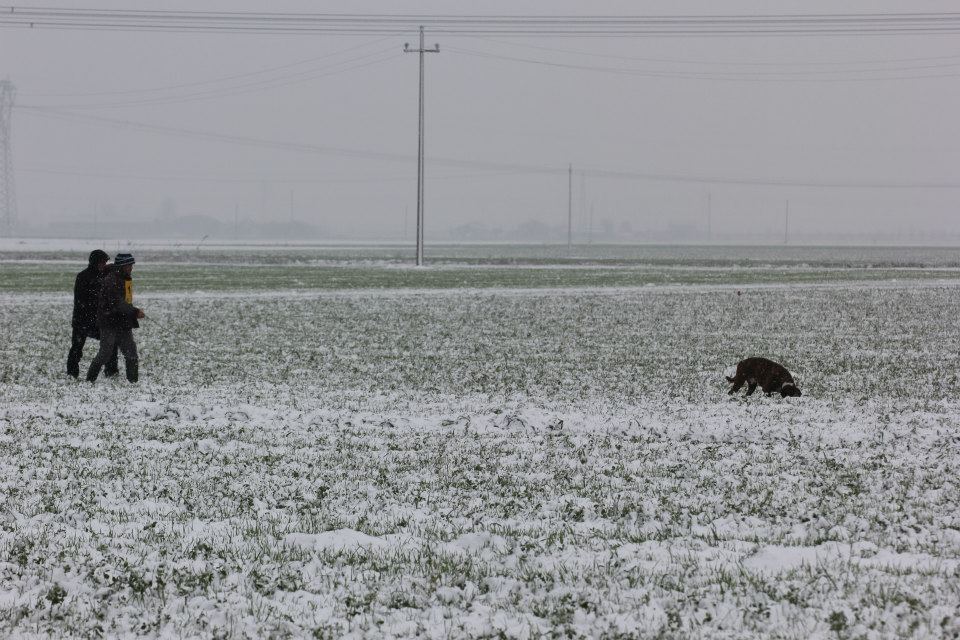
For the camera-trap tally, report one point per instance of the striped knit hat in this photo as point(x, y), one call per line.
point(122, 259)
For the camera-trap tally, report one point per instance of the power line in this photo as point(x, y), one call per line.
point(46, 112)
point(725, 63)
point(207, 82)
point(258, 177)
point(479, 164)
point(299, 147)
point(769, 182)
point(739, 76)
point(846, 24)
point(360, 62)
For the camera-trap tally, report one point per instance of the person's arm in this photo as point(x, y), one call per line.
point(113, 302)
point(124, 308)
point(111, 298)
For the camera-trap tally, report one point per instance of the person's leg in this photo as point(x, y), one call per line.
point(112, 368)
point(108, 344)
point(128, 347)
point(77, 339)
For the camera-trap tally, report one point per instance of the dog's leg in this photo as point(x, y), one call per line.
point(737, 384)
point(751, 388)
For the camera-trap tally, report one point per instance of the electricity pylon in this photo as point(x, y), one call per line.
point(8, 198)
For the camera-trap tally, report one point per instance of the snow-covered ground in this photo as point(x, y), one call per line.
point(488, 464)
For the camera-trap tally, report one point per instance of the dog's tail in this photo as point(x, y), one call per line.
point(729, 379)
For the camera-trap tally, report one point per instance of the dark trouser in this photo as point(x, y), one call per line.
point(110, 341)
point(77, 340)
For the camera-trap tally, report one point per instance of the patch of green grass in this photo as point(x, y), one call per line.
point(58, 277)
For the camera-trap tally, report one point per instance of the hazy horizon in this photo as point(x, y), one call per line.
point(682, 139)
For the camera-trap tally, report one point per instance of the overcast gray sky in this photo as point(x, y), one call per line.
point(795, 109)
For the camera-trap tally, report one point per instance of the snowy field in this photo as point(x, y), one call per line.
point(493, 462)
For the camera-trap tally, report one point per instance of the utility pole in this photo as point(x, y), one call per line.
point(590, 227)
point(263, 201)
point(8, 198)
point(709, 215)
point(583, 198)
point(786, 224)
point(421, 51)
point(570, 209)
point(290, 232)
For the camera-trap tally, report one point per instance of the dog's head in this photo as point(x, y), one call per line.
point(790, 390)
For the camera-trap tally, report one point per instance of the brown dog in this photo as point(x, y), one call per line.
point(770, 375)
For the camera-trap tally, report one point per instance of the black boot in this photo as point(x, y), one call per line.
point(111, 369)
point(73, 365)
point(73, 358)
point(133, 370)
point(93, 371)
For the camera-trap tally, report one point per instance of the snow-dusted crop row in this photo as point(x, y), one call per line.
point(498, 464)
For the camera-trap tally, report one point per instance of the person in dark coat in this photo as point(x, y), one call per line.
point(117, 318)
point(86, 291)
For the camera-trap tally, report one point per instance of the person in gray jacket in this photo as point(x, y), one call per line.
point(117, 318)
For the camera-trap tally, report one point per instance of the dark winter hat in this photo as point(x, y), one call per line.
point(124, 259)
point(97, 256)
